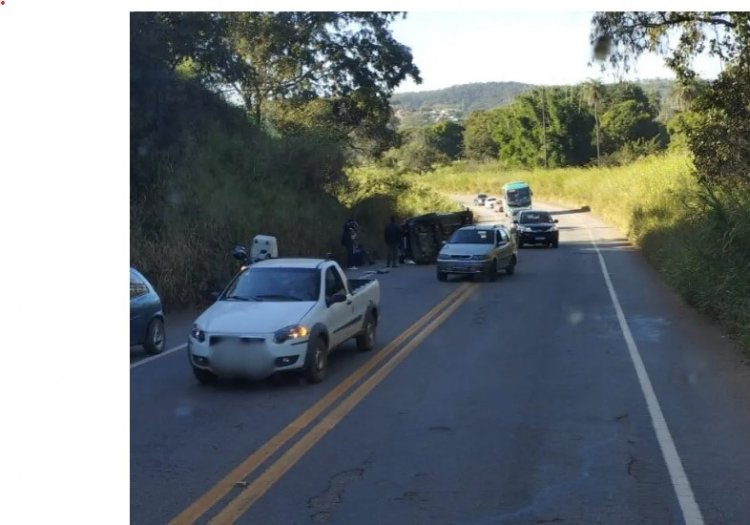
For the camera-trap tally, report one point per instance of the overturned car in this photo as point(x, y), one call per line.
point(423, 236)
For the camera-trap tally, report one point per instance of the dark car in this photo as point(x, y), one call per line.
point(423, 236)
point(536, 227)
point(146, 315)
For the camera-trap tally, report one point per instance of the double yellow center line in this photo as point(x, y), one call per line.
point(256, 489)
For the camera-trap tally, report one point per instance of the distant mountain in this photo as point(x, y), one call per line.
point(453, 103)
point(422, 108)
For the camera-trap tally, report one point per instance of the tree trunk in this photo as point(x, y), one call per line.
point(596, 118)
point(257, 106)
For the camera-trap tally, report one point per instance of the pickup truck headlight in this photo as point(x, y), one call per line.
point(482, 257)
point(198, 334)
point(291, 332)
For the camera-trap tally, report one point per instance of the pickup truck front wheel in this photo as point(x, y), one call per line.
point(366, 340)
point(317, 361)
point(206, 377)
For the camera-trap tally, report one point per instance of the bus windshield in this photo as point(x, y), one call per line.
point(518, 197)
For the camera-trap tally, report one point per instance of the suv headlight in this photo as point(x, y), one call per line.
point(198, 334)
point(291, 332)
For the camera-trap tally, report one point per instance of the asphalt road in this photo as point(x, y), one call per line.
point(515, 401)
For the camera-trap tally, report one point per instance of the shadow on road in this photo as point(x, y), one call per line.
point(582, 209)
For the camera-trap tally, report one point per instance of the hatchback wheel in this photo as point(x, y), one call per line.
point(511, 268)
point(492, 270)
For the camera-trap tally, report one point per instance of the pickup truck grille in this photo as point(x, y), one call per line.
point(216, 339)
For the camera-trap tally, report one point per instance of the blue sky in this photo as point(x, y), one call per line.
point(541, 47)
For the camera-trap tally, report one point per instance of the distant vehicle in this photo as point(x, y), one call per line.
point(477, 250)
point(491, 202)
point(516, 196)
point(280, 315)
point(479, 199)
point(146, 315)
point(424, 235)
point(536, 227)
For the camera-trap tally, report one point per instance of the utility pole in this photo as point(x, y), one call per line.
point(596, 117)
point(544, 127)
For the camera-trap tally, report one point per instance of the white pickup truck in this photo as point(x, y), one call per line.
point(283, 314)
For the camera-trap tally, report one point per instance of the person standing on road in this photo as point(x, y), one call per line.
point(392, 241)
point(349, 241)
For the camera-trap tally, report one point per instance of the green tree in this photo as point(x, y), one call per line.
point(718, 137)
point(420, 154)
point(593, 94)
point(315, 54)
point(447, 137)
point(626, 122)
point(720, 141)
point(546, 127)
point(478, 139)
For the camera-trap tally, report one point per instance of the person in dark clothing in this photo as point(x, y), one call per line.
point(349, 241)
point(392, 241)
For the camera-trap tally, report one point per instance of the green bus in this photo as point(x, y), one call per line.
point(516, 196)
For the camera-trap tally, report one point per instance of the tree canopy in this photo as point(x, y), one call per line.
point(718, 134)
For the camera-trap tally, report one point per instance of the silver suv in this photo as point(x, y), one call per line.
point(478, 249)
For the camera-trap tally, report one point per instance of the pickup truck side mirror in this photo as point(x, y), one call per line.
point(336, 298)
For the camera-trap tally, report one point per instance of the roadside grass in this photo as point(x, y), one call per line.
point(184, 248)
point(698, 239)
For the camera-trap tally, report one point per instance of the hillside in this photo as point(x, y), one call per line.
point(422, 108)
point(453, 103)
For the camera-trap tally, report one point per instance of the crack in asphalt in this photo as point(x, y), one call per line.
point(324, 505)
point(630, 466)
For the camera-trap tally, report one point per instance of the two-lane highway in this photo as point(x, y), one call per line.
point(579, 390)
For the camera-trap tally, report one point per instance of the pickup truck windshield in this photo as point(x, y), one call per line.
point(535, 218)
point(472, 237)
point(275, 284)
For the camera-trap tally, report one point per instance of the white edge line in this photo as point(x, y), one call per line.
point(166, 352)
point(690, 511)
